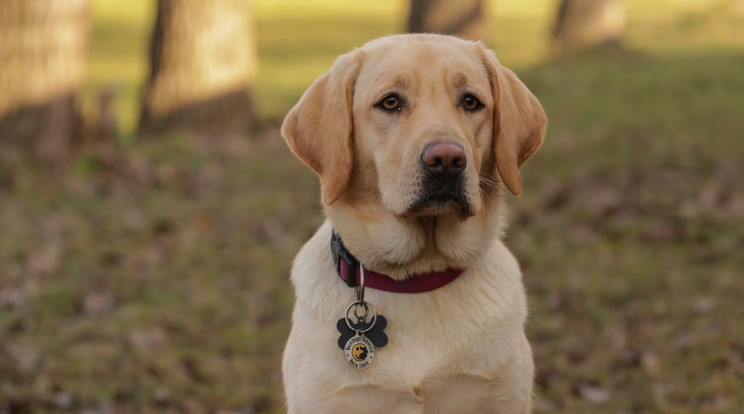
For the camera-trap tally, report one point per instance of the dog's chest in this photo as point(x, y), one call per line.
point(424, 340)
point(429, 335)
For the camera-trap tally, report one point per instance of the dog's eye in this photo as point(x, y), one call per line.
point(471, 103)
point(390, 103)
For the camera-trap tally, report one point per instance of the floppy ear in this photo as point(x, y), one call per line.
point(318, 129)
point(519, 122)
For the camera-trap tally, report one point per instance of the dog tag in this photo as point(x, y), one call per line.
point(359, 351)
point(358, 348)
point(375, 333)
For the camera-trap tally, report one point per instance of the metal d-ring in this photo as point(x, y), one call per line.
point(360, 286)
point(367, 307)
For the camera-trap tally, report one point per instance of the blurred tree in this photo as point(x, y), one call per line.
point(584, 24)
point(43, 47)
point(462, 18)
point(202, 61)
point(738, 6)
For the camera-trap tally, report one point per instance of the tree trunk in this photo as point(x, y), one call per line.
point(202, 61)
point(463, 18)
point(43, 47)
point(738, 6)
point(585, 24)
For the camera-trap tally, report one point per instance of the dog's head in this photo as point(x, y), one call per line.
point(428, 115)
point(417, 126)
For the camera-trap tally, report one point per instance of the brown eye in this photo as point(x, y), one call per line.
point(390, 103)
point(471, 103)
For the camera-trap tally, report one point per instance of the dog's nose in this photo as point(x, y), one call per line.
point(446, 158)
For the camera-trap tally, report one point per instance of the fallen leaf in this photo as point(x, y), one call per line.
point(594, 394)
point(12, 298)
point(146, 339)
point(97, 303)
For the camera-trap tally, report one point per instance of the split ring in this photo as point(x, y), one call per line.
point(367, 307)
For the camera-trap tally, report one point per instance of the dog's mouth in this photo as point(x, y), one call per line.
point(440, 204)
point(441, 197)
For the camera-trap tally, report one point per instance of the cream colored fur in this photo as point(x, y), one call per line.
point(457, 349)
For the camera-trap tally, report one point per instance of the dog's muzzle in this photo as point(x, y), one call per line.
point(442, 181)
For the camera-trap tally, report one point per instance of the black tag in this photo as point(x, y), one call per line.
point(376, 334)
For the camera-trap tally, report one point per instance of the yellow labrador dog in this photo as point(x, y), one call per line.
point(407, 299)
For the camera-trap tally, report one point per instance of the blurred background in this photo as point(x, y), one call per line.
point(149, 209)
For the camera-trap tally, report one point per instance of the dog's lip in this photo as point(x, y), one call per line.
point(441, 203)
point(442, 197)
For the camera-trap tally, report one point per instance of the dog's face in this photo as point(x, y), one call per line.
point(423, 122)
point(411, 132)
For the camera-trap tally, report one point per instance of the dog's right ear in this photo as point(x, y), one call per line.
point(519, 121)
point(319, 128)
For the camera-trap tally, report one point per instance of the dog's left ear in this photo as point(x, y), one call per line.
point(519, 121)
point(319, 127)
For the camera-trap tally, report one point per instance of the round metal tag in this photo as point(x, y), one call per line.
point(359, 351)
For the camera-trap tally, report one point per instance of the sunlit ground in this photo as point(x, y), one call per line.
point(299, 40)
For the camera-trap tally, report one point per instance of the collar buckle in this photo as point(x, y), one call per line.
point(346, 263)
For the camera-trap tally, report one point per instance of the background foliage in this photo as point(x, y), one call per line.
point(150, 275)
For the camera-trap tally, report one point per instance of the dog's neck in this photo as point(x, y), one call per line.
point(402, 248)
point(350, 271)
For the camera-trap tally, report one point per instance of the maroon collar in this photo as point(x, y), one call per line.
point(347, 268)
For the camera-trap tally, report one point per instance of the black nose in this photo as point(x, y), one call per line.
point(444, 158)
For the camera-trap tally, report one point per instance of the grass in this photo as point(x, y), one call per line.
point(627, 234)
point(151, 275)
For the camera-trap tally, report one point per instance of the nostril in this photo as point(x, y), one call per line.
point(444, 157)
point(459, 161)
